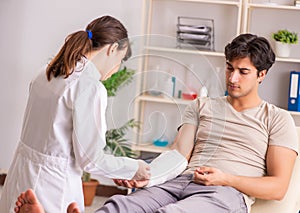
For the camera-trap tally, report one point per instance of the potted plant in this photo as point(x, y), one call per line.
point(118, 79)
point(116, 144)
point(283, 40)
point(89, 187)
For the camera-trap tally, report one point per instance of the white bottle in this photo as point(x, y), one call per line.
point(203, 92)
point(168, 86)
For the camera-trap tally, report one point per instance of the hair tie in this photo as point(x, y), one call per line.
point(90, 34)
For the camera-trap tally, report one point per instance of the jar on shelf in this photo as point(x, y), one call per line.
point(189, 92)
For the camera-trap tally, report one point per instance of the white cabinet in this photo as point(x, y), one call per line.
point(162, 58)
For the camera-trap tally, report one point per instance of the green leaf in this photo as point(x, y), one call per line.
point(285, 36)
point(86, 177)
point(116, 144)
point(118, 79)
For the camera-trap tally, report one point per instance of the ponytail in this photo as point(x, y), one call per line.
point(76, 46)
point(100, 32)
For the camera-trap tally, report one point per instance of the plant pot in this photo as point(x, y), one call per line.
point(89, 191)
point(282, 49)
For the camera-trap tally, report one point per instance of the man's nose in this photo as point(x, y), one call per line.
point(234, 76)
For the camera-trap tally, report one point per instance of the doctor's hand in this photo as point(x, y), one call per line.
point(131, 183)
point(143, 172)
point(210, 176)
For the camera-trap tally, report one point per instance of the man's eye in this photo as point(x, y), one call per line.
point(244, 72)
point(229, 68)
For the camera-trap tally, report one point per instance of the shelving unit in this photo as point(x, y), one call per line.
point(171, 9)
point(159, 50)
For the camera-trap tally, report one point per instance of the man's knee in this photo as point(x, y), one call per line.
point(116, 203)
point(117, 200)
point(117, 197)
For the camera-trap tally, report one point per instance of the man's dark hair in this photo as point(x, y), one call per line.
point(258, 49)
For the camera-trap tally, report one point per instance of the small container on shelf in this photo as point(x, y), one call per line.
point(155, 90)
point(189, 91)
point(161, 142)
point(160, 137)
point(189, 95)
point(203, 92)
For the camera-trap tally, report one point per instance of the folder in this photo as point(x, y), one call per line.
point(294, 90)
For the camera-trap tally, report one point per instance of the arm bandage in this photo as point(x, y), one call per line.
point(166, 166)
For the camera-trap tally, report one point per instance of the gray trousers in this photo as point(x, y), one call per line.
point(178, 195)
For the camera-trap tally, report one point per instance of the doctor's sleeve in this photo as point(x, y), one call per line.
point(89, 128)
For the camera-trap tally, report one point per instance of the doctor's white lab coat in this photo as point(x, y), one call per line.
point(63, 133)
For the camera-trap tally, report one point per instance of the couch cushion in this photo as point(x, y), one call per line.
point(291, 201)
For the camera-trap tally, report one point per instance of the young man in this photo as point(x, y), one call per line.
point(239, 147)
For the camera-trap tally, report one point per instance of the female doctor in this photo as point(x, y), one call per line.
point(64, 124)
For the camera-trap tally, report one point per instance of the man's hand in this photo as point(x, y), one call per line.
point(131, 183)
point(210, 176)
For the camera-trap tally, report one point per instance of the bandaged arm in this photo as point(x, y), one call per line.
point(170, 164)
point(166, 166)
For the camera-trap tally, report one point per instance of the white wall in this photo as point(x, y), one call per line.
point(32, 31)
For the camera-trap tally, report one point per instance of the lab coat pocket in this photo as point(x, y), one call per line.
point(45, 174)
point(50, 185)
point(21, 176)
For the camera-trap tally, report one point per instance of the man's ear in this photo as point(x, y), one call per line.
point(261, 75)
point(112, 48)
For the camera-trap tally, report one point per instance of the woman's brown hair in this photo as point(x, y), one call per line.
point(100, 32)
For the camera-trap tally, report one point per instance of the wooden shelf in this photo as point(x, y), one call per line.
point(234, 3)
point(160, 99)
point(149, 147)
point(273, 6)
point(291, 60)
point(294, 113)
point(185, 51)
point(208, 53)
